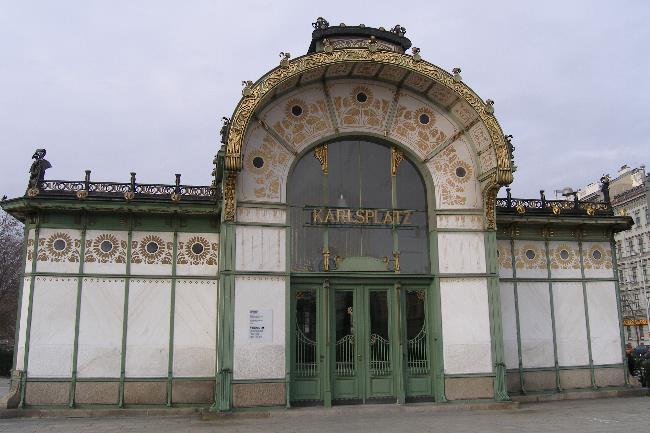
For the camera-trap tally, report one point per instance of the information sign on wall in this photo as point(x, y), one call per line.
point(260, 326)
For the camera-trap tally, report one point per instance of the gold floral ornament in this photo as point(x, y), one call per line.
point(564, 257)
point(105, 248)
point(457, 173)
point(302, 120)
point(198, 251)
point(530, 256)
point(59, 247)
point(598, 257)
point(32, 192)
point(152, 250)
point(419, 127)
point(361, 108)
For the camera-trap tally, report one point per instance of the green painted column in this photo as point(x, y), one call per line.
point(75, 350)
point(496, 325)
point(225, 318)
point(30, 306)
point(327, 375)
point(125, 312)
point(435, 310)
point(399, 351)
point(172, 309)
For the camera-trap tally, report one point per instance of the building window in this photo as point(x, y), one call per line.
point(634, 278)
point(630, 247)
point(618, 248)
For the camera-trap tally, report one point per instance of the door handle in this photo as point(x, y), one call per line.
point(359, 357)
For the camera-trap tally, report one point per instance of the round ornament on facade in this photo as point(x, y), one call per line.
point(461, 172)
point(296, 110)
point(197, 248)
point(424, 119)
point(258, 162)
point(362, 97)
point(106, 246)
point(530, 254)
point(564, 255)
point(152, 247)
point(59, 244)
point(597, 255)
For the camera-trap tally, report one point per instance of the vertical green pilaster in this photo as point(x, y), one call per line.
point(586, 307)
point(326, 375)
point(617, 288)
point(172, 309)
point(496, 325)
point(30, 306)
point(438, 365)
point(125, 313)
point(225, 318)
point(552, 305)
point(520, 359)
point(399, 353)
point(75, 349)
point(287, 314)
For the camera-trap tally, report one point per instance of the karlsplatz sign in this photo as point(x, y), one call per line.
point(361, 216)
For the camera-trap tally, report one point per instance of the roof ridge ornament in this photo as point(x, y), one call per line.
point(416, 54)
point(284, 63)
point(398, 30)
point(489, 106)
point(248, 88)
point(320, 24)
point(456, 71)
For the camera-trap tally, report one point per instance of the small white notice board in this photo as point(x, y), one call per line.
point(260, 326)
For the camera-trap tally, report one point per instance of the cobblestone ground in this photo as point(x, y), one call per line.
point(628, 415)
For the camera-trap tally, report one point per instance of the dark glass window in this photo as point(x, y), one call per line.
point(359, 177)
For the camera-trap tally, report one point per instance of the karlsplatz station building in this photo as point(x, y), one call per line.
point(351, 249)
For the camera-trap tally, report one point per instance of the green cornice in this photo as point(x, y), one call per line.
point(23, 206)
point(614, 223)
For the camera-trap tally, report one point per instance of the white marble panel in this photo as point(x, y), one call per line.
point(58, 250)
point(460, 221)
point(155, 261)
point(504, 258)
point(52, 330)
point(22, 331)
point(261, 215)
point(570, 324)
point(147, 340)
point(598, 260)
point(461, 253)
point(30, 251)
point(206, 262)
point(565, 259)
point(465, 325)
point(195, 325)
point(100, 327)
point(98, 261)
point(604, 323)
point(260, 249)
point(509, 324)
point(530, 259)
point(256, 360)
point(535, 325)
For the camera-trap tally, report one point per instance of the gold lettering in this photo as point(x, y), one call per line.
point(388, 217)
point(407, 217)
point(329, 218)
point(371, 214)
point(316, 217)
point(359, 217)
point(341, 215)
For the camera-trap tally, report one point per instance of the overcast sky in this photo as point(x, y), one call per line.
point(120, 86)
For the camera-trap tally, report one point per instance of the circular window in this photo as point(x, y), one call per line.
point(59, 245)
point(424, 119)
point(152, 247)
point(530, 254)
point(106, 246)
point(461, 172)
point(258, 162)
point(296, 110)
point(197, 248)
point(597, 255)
point(362, 97)
point(564, 254)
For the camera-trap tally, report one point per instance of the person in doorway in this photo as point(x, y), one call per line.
point(630, 361)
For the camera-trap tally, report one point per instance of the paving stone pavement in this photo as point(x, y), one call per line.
point(624, 415)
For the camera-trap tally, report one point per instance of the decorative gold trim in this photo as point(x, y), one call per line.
point(320, 153)
point(32, 192)
point(396, 156)
point(229, 187)
point(81, 194)
point(326, 260)
point(254, 95)
point(396, 262)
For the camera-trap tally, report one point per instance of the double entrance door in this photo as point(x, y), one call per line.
point(359, 343)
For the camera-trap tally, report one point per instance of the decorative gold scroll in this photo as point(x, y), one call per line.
point(396, 156)
point(320, 153)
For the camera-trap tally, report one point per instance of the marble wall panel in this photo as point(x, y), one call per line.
point(260, 249)
point(151, 253)
point(261, 215)
point(461, 252)
point(52, 328)
point(22, 331)
point(570, 324)
point(105, 252)
point(147, 340)
point(259, 360)
point(58, 250)
point(598, 260)
point(100, 327)
point(460, 222)
point(195, 325)
point(535, 325)
point(197, 254)
point(565, 259)
point(530, 259)
point(504, 258)
point(509, 323)
point(465, 325)
point(604, 323)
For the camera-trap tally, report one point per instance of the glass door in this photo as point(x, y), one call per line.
point(307, 352)
point(418, 366)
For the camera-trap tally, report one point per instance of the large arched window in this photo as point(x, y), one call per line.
point(357, 205)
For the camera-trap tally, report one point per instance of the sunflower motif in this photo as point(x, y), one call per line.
point(150, 252)
point(106, 247)
point(59, 245)
point(197, 249)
